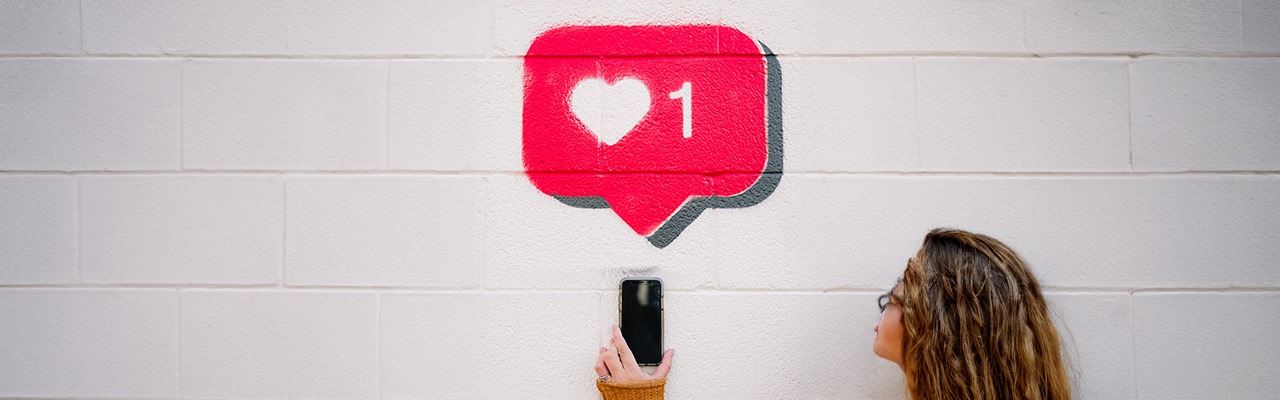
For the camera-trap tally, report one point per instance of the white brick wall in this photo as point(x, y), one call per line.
point(1115, 26)
point(422, 231)
point(1201, 345)
point(284, 114)
point(40, 27)
point(325, 199)
point(38, 224)
point(89, 342)
point(278, 344)
point(90, 114)
point(176, 229)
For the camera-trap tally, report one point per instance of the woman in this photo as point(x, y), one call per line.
point(966, 321)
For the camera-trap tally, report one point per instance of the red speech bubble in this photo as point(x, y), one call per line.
point(656, 122)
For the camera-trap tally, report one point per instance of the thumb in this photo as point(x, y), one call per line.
point(665, 366)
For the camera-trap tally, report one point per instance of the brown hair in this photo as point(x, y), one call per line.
point(975, 325)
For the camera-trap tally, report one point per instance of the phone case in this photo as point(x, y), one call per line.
point(663, 309)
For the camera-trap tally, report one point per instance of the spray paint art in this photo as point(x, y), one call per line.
point(657, 123)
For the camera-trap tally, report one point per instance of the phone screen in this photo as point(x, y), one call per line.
point(641, 319)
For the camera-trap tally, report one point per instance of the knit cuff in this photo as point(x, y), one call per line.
point(643, 390)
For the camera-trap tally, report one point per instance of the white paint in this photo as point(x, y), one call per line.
point(387, 231)
point(119, 342)
point(282, 114)
point(267, 343)
point(297, 27)
point(685, 95)
point(1222, 342)
point(67, 114)
point(1133, 26)
point(469, 130)
point(38, 225)
point(40, 27)
point(210, 229)
point(325, 198)
point(610, 111)
point(1198, 114)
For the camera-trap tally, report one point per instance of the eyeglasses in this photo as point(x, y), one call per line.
point(885, 299)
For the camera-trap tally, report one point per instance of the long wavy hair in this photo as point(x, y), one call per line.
point(975, 325)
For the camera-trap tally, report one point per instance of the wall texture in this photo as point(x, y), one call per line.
point(325, 199)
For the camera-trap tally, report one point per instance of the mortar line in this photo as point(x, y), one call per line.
point(484, 234)
point(386, 120)
point(941, 54)
point(915, 104)
point(182, 114)
point(81, 27)
point(178, 293)
point(1133, 346)
point(699, 290)
point(378, 339)
point(79, 232)
point(284, 231)
point(814, 173)
point(1129, 87)
point(1241, 14)
point(493, 23)
point(1026, 46)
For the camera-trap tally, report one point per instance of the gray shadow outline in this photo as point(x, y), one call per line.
point(769, 179)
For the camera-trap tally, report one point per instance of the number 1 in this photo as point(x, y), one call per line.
point(685, 94)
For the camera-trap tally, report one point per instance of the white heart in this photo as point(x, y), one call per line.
point(610, 111)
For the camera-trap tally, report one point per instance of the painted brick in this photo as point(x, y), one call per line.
point(1261, 26)
point(38, 234)
point(181, 229)
point(869, 26)
point(118, 343)
point(1206, 345)
point(824, 232)
point(79, 114)
point(1094, 329)
point(455, 115)
point(534, 241)
point(451, 27)
point(850, 114)
point(1206, 114)
point(295, 27)
point(40, 27)
point(551, 336)
point(1061, 114)
point(252, 343)
point(385, 230)
point(284, 114)
point(184, 27)
point(517, 23)
point(776, 346)
point(1115, 26)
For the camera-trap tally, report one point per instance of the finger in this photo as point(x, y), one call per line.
point(612, 363)
point(665, 366)
point(628, 359)
point(601, 370)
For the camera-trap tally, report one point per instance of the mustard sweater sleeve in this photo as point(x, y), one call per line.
point(644, 390)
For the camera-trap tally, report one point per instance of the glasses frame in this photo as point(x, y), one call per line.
point(886, 299)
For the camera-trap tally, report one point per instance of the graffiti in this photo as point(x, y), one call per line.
point(657, 123)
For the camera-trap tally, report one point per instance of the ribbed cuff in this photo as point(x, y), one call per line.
point(643, 390)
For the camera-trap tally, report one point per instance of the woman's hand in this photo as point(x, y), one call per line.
point(618, 364)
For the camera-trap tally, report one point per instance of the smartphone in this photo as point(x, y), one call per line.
point(640, 318)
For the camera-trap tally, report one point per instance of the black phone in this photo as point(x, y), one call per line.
point(640, 318)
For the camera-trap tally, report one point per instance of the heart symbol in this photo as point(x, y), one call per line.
point(610, 111)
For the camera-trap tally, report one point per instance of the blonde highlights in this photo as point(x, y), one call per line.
point(975, 324)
